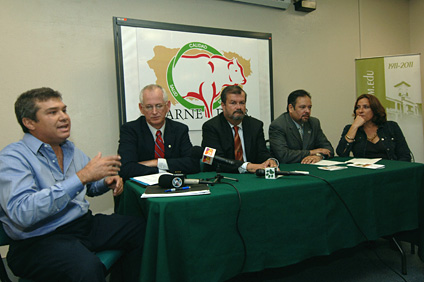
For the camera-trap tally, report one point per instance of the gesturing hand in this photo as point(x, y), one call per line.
point(99, 167)
point(116, 184)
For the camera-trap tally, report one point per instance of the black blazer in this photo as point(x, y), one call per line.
point(136, 144)
point(217, 134)
point(391, 137)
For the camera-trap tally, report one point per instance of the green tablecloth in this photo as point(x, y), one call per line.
point(282, 221)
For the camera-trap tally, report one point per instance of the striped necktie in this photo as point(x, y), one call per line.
point(238, 150)
point(159, 147)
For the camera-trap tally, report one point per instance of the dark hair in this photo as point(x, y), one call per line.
point(378, 110)
point(291, 100)
point(232, 89)
point(26, 104)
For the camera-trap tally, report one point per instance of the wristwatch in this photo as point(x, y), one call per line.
point(320, 155)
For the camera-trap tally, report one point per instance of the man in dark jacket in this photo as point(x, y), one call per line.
point(295, 136)
point(153, 143)
point(237, 136)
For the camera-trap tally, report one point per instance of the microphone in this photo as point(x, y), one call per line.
point(261, 172)
point(196, 181)
point(178, 181)
point(208, 156)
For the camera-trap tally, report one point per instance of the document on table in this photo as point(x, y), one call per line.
point(327, 163)
point(332, 168)
point(356, 162)
point(151, 179)
point(371, 166)
point(362, 161)
point(156, 191)
point(365, 163)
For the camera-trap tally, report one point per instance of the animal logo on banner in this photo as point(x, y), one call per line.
point(198, 72)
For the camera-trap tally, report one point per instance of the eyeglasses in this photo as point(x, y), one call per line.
point(158, 107)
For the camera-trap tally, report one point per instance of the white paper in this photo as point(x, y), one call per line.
point(370, 166)
point(161, 195)
point(327, 162)
point(331, 168)
point(363, 161)
point(151, 179)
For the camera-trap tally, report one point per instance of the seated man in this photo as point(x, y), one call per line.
point(44, 179)
point(237, 136)
point(295, 136)
point(153, 143)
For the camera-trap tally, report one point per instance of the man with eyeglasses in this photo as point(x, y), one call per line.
point(44, 179)
point(153, 143)
point(237, 136)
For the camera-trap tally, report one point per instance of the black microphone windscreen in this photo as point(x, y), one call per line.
point(260, 172)
point(165, 180)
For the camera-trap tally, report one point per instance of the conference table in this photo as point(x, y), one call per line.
point(274, 222)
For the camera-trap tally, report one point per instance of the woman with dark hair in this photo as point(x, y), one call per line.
point(371, 135)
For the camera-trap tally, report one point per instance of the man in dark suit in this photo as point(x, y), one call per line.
point(237, 136)
point(153, 143)
point(295, 136)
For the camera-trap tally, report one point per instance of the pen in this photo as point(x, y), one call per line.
point(175, 189)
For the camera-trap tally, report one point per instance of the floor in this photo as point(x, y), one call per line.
point(359, 264)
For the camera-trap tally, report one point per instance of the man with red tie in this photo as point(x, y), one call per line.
point(237, 136)
point(153, 143)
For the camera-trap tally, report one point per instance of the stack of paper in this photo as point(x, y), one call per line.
point(371, 166)
point(151, 179)
point(362, 161)
point(365, 163)
point(156, 191)
point(356, 162)
point(331, 168)
point(327, 163)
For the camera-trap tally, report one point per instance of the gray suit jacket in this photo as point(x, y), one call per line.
point(286, 143)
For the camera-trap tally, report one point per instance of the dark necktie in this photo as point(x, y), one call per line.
point(301, 132)
point(238, 150)
point(159, 147)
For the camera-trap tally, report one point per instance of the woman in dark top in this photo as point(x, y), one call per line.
point(371, 135)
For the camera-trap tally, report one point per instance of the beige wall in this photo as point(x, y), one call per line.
point(68, 45)
point(416, 23)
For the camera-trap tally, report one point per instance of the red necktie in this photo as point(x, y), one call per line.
point(159, 147)
point(238, 150)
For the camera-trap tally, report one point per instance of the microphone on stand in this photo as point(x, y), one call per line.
point(261, 172)
point(178, 181)
point(208, 156)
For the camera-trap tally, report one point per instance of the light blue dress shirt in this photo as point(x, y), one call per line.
point(36, 197)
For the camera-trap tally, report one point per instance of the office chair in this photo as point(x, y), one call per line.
point(107, 257)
